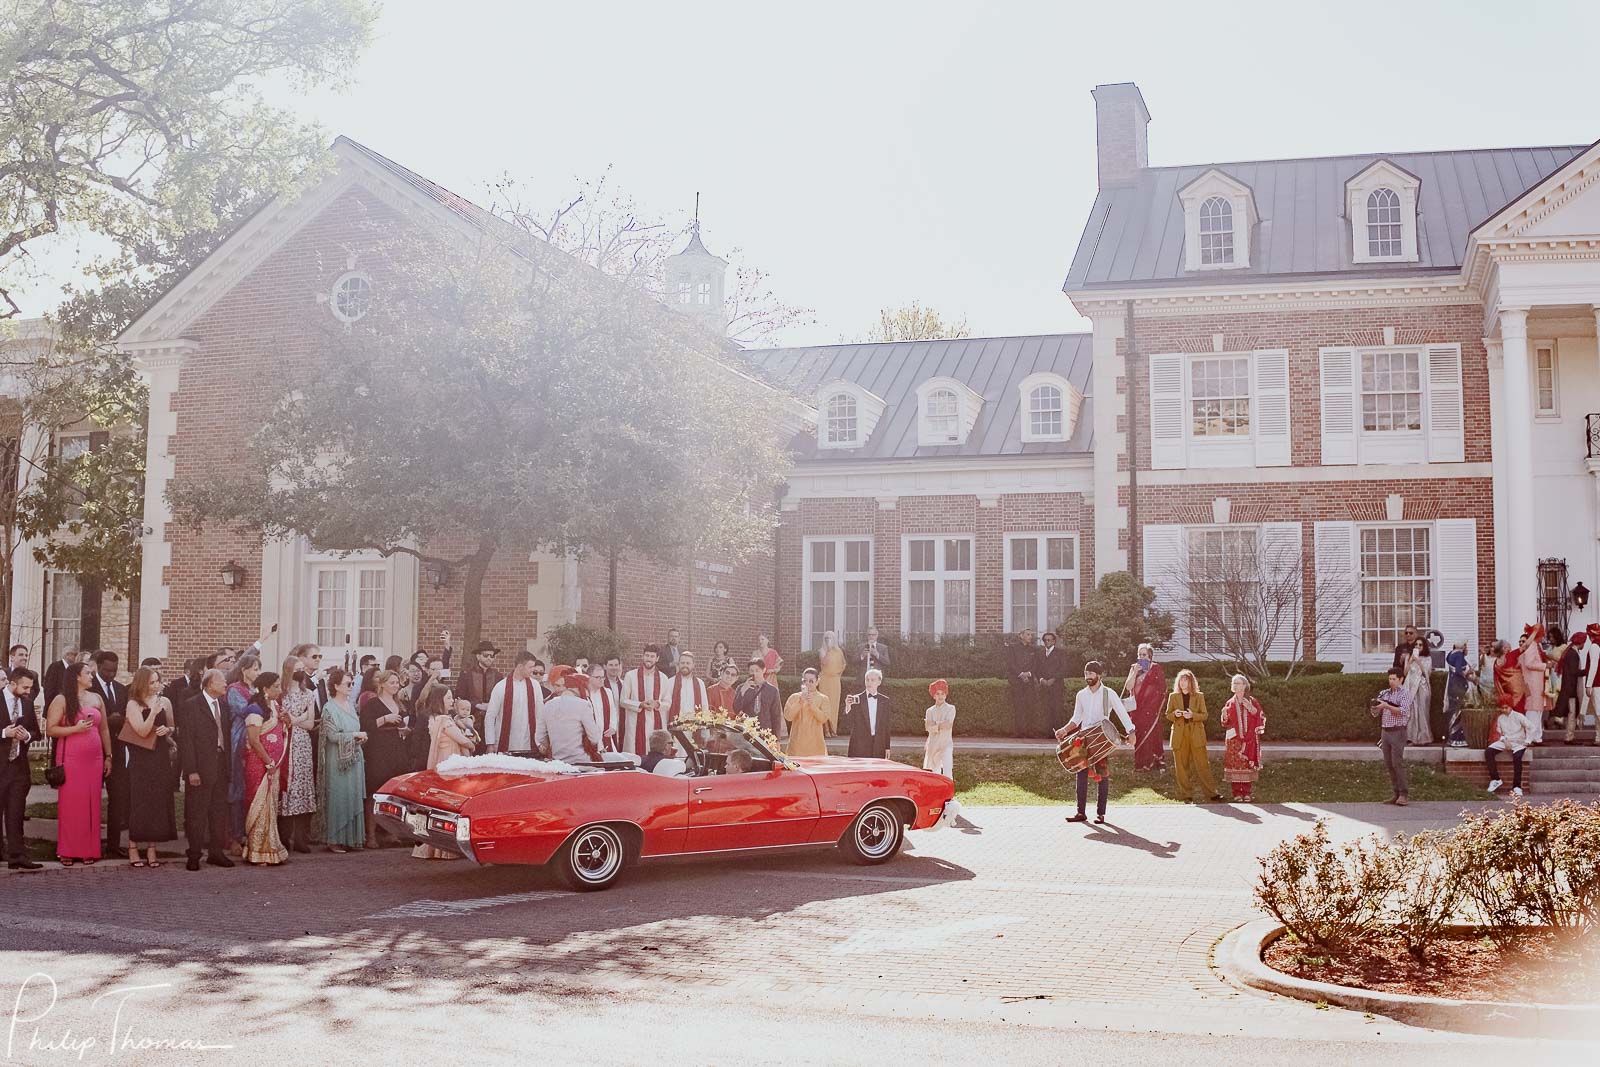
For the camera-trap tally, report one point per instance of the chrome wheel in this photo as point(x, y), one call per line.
point(876, 834)
point(593, 858)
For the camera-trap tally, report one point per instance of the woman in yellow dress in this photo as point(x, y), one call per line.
point(805, 712)
point(830, 675)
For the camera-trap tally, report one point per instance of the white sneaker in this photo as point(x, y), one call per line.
point(1517, 793)
point(1495, 785)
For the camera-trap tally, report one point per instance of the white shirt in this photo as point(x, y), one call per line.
point(216, 714)
point(1515, 732)
point(520, 739)
point(564, 724)
point(14, 714)
point(872, 713)
point(1089, 709)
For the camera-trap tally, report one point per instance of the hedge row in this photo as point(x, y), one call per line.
point(1317, 707)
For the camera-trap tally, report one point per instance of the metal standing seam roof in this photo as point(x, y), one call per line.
point(1135, 233)
point(992, 367)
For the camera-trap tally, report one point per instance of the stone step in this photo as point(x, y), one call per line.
point(1568, 754)
point(1569, 781)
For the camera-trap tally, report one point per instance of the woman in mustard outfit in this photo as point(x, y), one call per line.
point(1186, 711)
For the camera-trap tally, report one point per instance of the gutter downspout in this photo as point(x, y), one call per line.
point(777, 529)
point(1135, 562)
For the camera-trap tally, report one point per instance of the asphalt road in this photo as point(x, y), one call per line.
point(1016, 937)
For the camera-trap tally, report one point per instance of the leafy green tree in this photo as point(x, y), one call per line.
point(913, 322)
point(509, 397)
point(1115, 618)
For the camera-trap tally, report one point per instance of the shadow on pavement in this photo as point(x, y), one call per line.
point(1110, 834)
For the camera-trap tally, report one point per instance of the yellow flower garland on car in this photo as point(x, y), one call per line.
point(748, 725)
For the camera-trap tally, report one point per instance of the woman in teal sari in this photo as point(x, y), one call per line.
point(342, 767)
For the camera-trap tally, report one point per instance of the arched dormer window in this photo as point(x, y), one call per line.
point(846, 414)
point(1381, 204)
point(1050, 407)
point(1383, 224)
point(1216, 232)
point(946, 410)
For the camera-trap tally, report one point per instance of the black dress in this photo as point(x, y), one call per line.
point(152, 781)
point(385, 750)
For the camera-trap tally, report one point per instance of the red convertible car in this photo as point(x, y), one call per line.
point(592, 821)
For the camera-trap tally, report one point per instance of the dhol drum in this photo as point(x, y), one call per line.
point(1084, 749)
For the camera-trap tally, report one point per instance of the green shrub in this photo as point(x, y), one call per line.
point(565, 643)
point(1327, 896)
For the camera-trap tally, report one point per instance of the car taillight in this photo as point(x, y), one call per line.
point(387, 808)
point(446, 826)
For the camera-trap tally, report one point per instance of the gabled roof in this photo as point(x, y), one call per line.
point(993, 367)
point(1134, 235)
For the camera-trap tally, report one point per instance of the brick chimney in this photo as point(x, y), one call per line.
point(1122, 138)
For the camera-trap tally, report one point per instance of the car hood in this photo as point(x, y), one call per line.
point(846, 764)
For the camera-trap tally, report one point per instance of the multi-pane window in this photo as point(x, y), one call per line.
point(1222, 581)
point(938, 586)
point(1396, 584)
point(1045, 411)
point(838, 589)
point(1041, 580)
point(65, 625)
point(941, 416)
point(1383, 223)
point(702, 293)
point(1216, 231)
point(1391, 391)
point(685, 292)
point(840, 419)
point(1219, 396)
point(1544, 380)
point(350, 605)
point(352, 297)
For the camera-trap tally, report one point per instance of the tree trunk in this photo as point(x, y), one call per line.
point(472, 596)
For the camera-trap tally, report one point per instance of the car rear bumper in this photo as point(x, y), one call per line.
point(424, 825)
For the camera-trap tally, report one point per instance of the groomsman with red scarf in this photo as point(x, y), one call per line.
point(510, 723)
point(644, 694)
point(688, 692)
point(607, 704)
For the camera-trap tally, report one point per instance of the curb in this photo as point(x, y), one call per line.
point(1238, 956)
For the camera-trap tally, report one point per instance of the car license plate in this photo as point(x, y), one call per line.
point(418, 821)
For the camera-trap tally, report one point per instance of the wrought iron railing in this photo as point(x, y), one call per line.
point(1591, 433)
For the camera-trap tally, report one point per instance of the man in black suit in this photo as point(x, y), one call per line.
point(1020, 656)
point(204, 754)
point(1050, 668)
point(869, 712)
point(18, 726)
point(56, 671)
point(115, 696)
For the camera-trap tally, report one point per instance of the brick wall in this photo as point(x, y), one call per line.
point(709, 600)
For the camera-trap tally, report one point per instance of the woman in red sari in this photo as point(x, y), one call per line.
point(1242, 724)
point(1147, 686)
point(267, 741)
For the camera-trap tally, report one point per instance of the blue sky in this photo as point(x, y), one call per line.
point(866, 154)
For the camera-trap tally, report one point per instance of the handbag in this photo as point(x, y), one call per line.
point(55, 775)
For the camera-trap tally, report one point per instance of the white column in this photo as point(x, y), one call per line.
point(1505, 621)
point(27, 573)
point(1110, 516)
point(1521, 582)
point(160, 364)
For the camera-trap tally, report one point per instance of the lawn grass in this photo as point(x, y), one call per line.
point(1014, 779)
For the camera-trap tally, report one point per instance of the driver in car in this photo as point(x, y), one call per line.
point(738, 762)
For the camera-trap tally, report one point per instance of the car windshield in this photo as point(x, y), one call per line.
point(711, 749)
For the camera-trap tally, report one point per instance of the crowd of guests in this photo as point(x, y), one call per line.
point(274, 762)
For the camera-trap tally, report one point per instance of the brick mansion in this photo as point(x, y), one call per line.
point(1383, 367)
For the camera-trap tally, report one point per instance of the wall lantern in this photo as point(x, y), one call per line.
point(437, 573)
point(232, 575)
point(1580, 596)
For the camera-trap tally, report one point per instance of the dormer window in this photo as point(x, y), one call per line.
point(1216, 232)
point(1050, 407)
point(702, 294)
point(1382, 208)
point(846, 414)
point(1383, 224)
point(946, 410)
point(685, 291)
point(841, 427)
point(1219, 214)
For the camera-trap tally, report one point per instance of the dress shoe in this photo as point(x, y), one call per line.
point(193, 864)
point(219, 860)
point(1099, 820)
point(1080, 817)
point(25, 865)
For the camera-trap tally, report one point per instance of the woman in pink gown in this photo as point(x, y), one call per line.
point(77, 721)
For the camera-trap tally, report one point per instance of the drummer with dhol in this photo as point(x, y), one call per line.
point(1091, 711)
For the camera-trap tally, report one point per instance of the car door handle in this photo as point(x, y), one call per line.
point(703, 789)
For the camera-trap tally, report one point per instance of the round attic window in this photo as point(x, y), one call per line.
point(352, 297)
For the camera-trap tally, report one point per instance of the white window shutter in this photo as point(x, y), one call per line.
point(1456, 568)
point(1282, 555)
point(1162, 556)
point(1338, 378)
point(1270, 399)
point(1166, 412)
point(1442, 373)
point(1337, 576)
